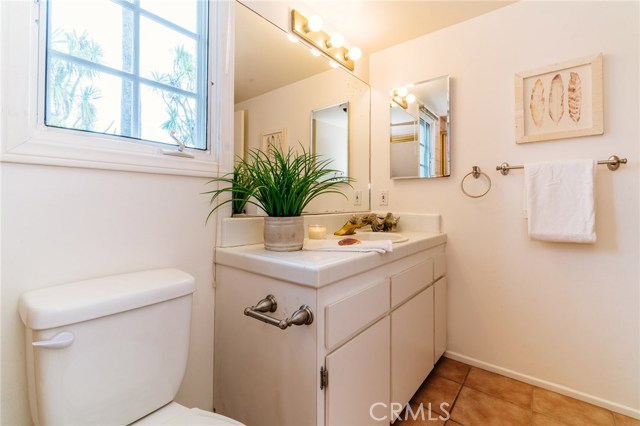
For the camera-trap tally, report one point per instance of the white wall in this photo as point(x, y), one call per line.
point(64, 224)
point(565, 316)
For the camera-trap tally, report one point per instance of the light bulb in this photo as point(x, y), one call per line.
point(315, 23)
point(402, 92)
point(315, 52)
point(292, 38)
point(354, 54)
point(336, 40)
point(411, 98)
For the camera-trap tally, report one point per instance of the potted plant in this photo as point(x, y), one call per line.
point(240, 189)
point(282, 184)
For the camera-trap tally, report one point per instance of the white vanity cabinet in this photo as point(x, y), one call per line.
point(374, 338)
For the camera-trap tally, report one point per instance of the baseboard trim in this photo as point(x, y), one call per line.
point(610, 405)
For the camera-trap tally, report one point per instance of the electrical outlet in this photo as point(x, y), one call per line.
point(384, 197)
point(357, 198)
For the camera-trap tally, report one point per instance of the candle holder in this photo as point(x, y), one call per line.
point(317, 232)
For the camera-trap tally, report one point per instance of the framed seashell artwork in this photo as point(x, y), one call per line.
point(560, 101)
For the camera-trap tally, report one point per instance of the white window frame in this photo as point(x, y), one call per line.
point(25, 138)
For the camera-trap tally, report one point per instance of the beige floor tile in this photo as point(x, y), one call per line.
point(450, 369)
point(474, 408)
point(569, 410)
point(500, 386)
point(438, 393)
point(625, 421)
point(542, 420)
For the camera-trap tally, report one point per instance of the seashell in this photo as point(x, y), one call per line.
point(348, 242)
point(556, 99)
point(574, 96)
point(537, 103)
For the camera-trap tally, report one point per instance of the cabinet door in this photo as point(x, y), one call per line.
point(411, 345)
point(358, 382)
point(440, 307)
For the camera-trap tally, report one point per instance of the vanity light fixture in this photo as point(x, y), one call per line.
point(336, 40)
point(310, 31)
point(314, 24)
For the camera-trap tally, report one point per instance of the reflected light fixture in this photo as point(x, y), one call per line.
point(310, 31)
point(402, 97)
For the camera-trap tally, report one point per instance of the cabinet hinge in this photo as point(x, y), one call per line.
point(324, 378)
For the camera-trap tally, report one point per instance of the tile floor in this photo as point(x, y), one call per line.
point(477, 397)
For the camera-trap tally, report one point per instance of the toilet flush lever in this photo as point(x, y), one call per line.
point(59, 341)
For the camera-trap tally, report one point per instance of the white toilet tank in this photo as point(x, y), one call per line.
point(109, 350)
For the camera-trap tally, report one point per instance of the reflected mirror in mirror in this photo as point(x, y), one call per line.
point(279, 85)
point(420, 130)
point(330, 135)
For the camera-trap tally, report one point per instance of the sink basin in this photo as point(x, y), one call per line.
point(375, 236)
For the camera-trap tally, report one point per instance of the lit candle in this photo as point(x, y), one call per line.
point(317, 232)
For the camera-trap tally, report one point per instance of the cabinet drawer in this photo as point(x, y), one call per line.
point(349, 315)
point(407, 283)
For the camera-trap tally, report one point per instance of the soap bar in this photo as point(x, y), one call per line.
point(348, 242)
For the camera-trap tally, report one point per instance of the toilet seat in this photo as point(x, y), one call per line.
point(174, 414)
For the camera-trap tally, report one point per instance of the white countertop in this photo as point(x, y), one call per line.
point(319, 268)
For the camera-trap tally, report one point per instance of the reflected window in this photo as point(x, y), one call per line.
point(428, 124)
point(132, 69)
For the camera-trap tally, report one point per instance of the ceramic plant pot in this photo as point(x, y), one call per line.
point(283, 233)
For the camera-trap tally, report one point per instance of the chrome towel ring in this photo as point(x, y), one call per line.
point(476, 173)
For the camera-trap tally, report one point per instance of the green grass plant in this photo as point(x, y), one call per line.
point(282, 184)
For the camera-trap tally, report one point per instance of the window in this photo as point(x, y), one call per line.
point(136, 69)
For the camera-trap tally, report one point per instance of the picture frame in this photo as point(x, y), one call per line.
point(559, 101)
point(277, 139)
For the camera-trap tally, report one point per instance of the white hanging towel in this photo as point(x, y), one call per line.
point(560, 200)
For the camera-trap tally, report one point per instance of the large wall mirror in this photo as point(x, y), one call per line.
point(420, 130)
point(284, 94)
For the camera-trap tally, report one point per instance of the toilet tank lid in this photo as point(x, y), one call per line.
point(89, 299)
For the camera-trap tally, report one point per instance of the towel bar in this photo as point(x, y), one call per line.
point(613, 163)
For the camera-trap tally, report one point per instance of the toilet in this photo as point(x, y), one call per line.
point(111, 351)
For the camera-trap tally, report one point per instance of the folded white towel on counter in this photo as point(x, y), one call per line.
point(560, 200)
point(379, 246)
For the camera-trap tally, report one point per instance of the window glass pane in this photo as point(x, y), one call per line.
point(167, 56)
point(163, 111)
point(182, 13)
point(89, 30)
point(81, 98)
point(111, 69)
